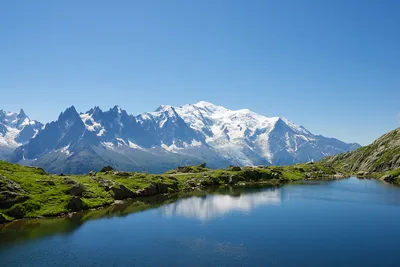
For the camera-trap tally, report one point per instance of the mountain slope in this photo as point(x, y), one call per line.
point(15, 129)
point(172, 136)
point(381, 156)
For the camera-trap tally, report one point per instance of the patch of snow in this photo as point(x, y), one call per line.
point(109, 145)
point(65, 150)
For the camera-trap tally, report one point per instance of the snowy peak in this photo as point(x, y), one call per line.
point(171, 136)
point(21, 114)
point(16, 129)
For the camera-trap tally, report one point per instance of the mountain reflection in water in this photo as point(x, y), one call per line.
point(214, 206)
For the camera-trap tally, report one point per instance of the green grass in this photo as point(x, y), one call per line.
point(42, 194)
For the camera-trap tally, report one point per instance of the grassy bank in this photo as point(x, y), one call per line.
point(31, 192)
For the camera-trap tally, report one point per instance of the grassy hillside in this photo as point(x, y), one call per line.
point(31, 192)
point(379, 159)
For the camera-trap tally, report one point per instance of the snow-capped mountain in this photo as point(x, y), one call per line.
point(16, 129)
point(172, 136)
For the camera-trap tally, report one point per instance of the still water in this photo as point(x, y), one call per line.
point(347, 222)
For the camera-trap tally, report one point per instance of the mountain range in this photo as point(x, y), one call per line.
point(160, 140)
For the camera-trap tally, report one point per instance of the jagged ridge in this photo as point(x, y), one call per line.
point(171, 136)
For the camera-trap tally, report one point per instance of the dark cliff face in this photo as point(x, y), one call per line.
point(380, 156)
point(68, 129)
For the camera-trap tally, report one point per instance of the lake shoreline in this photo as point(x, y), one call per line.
point(182, 194)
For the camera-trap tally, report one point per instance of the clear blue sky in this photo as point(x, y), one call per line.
point(332, 66)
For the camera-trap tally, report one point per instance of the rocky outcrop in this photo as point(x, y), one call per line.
point(75, 204)
point(381, 156)
point(76, 190)
point(121, 192)
point(11, 193)
point(155, 189)
point(16, 211)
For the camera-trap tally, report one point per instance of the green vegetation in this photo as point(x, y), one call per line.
point(31, 192)
point(380, 160)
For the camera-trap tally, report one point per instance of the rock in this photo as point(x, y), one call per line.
point(203, 165)
point(154, 189)
point(107, 169)
point(11, 193)
point(16, 211)
point(75, 204)
point(76, 190)
point(361, 173)
point(61, 174)
point(122, 174)
point(233, 179)
point(92, 173)
point(388, 178)
point(184, 169)
point(162, 188)
point(121, 192)
point(191, 182)
point(234, 168)
point(69, 181)
point(107, 184)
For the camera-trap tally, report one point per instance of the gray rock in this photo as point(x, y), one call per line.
point(92, 173)
point(121, 192)
point(69, 181)
point(11, 193)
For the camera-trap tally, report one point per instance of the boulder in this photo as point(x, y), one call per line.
point(121, 192)
point(388, 178)
point(69, 181)
point(75, 204)
point(122, 174)
point(107, 184)
point(203, 165)
point(11, 193)
point(76, 190)
point(92, 173)
point(107, 169)
point(16, 211)
point(234, 168)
